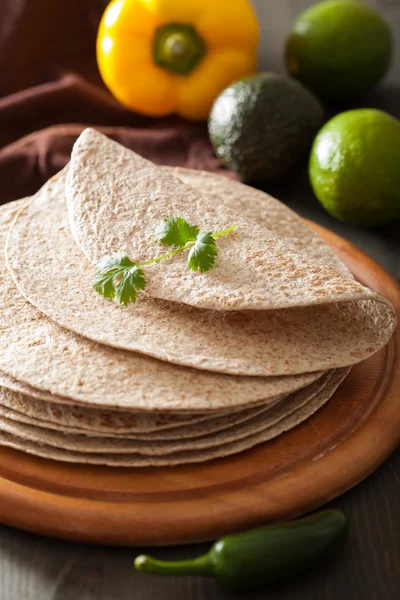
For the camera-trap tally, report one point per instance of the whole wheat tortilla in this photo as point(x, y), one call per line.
point(117, 199)
point(35, 350)
point(156, 447)
point(91, 421)
point(171, 430)
point(132, 460)
point(280, 342)
point(262, 209)
point(15, 385)
point(59, 418)
point(151, 421)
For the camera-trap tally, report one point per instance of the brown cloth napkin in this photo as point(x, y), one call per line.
point(48, 77)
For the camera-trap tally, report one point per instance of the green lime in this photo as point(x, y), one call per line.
point(263, 125)
point(355, 167)
point(339, 48)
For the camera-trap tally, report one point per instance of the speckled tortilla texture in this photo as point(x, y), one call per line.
point(71, 419)
point(15, 385)
point(182, 457)
point(174, 428)
point(257, 343)
point(91, 421)
point(116, 200)
point(262, 209)
point(137, 421)
point(155, 446)
point(46, 356)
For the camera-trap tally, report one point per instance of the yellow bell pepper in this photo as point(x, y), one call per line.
point(159, 57)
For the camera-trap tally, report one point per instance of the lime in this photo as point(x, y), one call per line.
point(355, 167)
point(339, 49)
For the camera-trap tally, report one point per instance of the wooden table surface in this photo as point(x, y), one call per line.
point(36, 568)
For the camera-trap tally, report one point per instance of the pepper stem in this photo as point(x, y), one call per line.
point(178, 48)
point(198, 566)
point(175, 45)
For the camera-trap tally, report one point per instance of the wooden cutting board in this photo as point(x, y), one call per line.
point(299, 471)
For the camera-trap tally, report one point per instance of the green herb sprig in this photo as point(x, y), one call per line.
point(118, 277)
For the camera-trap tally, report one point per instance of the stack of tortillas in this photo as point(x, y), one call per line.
point(203, 365)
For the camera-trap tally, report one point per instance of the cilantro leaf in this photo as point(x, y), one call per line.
point(106, 271)
point(118, 277)
point(131, 282)
point(176, 231)
point(204, 252)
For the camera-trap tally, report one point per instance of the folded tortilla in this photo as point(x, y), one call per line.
point(268, 343)
point(116, 200)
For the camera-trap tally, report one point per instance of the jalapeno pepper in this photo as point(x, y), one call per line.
point(262, 556)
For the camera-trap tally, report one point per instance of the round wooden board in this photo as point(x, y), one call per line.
point(302, 469)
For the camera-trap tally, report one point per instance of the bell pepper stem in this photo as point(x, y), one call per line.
point(198, 566)
point(178, 48)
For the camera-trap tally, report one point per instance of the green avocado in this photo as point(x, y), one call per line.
point(263, 125)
